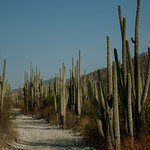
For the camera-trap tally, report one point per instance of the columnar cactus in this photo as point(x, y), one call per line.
point(140, 83)
point(109, 88)
point(31, 73)
point(34, 91)
point(109, 108)
point(73, 85)
point(84, 96)
point(79, 65)
point(72, 88)
point(31, 85)
point(147, 81)
point(63, 95)
point(45, 93)
point(115, 109)
point(3, 88)
point(131, 68)
point(109, 69)
point(41, 89)
point(123, 35)
point(25, 89)
point(55, 92)
point(137, 62)
point(78, 91)
point(130, 119)
point(93, 95)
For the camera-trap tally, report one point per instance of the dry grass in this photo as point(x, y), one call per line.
point(7, 130)
point(71, 121)
point(140, 143)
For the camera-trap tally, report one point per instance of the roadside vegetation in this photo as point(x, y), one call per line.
point(7, 127)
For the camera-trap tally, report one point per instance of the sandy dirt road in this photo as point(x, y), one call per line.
point(36, 134)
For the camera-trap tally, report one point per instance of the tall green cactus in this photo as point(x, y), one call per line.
point(124, 65)
point(78, 91)
point(26, 89)
point(107, 100)
point(55, 92)
point(41, 90)
point(31, 73)
point(104, 100)
point(123, 35)
point(94, 100)
point(72, 84)
point(140, 92)
point(115, 109)
point(31, 85)
point(139, 84)
point(137, 62)
point(63, 95)
point(3, 88)
point(120, 19)
point(33, 89)
point(130, 119)
point(147, 81)
point(109, 90)
point(84, 96)
point(124, 53)
point(109, 69)
point(78, 86)
point(131, 69)
point(80, 65)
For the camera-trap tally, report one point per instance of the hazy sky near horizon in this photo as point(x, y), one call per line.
point(49, 32)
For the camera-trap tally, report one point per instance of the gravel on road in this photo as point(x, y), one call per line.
point(36, 134)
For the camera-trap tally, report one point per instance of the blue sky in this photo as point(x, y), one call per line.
point(49, 32)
